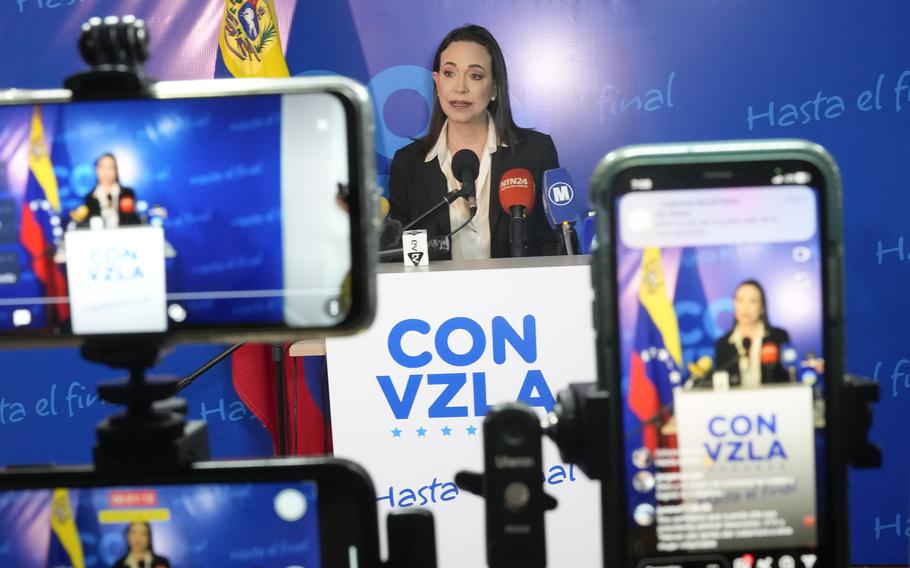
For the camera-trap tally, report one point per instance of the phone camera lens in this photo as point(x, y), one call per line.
point(516, 496)
point(333, 307)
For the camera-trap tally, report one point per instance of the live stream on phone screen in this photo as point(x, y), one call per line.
point(249, 524)
point(228, 211)
point(720, 315)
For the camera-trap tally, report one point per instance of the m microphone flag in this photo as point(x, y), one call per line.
point(560, 202)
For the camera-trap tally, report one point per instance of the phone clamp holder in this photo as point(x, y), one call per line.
point(860, 394)
point(578, 426)
point(153, 433)
point(412, 539)
point(115, 49)
point(512, 487)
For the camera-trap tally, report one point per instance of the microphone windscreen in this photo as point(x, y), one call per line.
point(127, 205)
point(517, 188)
point(700, 368)
point(384, 207)
point(747, 344)
point(770, 353)
point(788, 354)
point(465, 165)
point(79, 214)
point(560, 203)
point(390, 236)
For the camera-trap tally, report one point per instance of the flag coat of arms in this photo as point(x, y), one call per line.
point(65, 548)
point(656, 353)
point(249, 39)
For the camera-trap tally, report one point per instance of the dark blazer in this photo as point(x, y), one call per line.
point(415, 186)
point(94, 207)
point(157, 562)
point(725, 353)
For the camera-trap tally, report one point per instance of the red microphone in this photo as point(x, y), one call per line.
point(770, 353)
point(516, 195)
point(127, 205)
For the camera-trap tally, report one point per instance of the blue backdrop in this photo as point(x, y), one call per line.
point(230, 192)
point(595, 74)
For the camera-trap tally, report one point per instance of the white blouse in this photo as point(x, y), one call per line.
point(473, 241)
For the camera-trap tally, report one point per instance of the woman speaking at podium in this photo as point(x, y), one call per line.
point(140, 553)
point(751, 350)
point(110, 202)
point(471, 111)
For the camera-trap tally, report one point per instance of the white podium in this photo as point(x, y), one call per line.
point(408, 396)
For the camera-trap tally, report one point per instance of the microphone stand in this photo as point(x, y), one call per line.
point(567, 237)
point(282, 392)
point(189, 379)
point(517, 231)
point(390, 254)
point(446, 200)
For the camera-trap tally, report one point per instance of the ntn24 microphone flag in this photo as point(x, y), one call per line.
point(307, 429)
point(249, 42)
point(39, 207)
point(657, 355)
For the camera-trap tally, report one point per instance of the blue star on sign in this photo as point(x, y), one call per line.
point(396, 433)
point(446, 431)
point(422, 432)
point(472, 430)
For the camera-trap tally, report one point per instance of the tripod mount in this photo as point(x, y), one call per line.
point(152, 433)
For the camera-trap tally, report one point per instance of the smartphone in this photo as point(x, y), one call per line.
point(719, 308)
point(213, 210)
point(275, 513)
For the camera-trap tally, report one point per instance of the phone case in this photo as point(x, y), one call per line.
point(363, 202)
point(603, 274)
point(348, 513)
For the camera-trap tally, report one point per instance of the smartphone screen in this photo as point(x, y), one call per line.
point(720, 309)
point(263, 524)
point(148, 215)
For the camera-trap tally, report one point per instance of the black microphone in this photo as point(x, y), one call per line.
point(747, 344)
point(466, 167)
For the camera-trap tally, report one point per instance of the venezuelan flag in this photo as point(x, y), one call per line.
point(657, 353)
point(65, 547)
point(40, 206)
point(249, 42)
